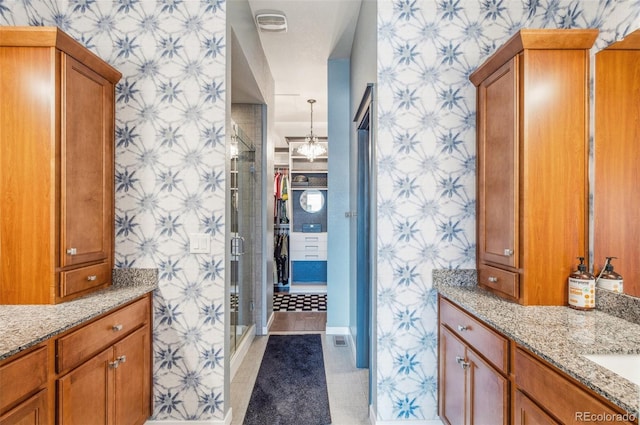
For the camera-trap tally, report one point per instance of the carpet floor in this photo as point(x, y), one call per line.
point(291, 386)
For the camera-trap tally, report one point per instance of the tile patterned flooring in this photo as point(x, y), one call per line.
point(347, 386)
point(284, 301)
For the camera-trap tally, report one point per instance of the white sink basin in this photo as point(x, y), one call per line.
point(625, 365)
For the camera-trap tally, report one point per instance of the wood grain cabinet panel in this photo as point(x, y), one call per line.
point(112, 386)
point(545, 385)
point(526, 412)
point(57, 114)
point(23, 388)
point(33, 411)
point(77, 346)
point(532, 144)
point(471, 389)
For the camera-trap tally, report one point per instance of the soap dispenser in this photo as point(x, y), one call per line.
point(582, 288)
point(608, 279)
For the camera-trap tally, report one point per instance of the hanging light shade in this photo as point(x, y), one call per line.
point(311, 149)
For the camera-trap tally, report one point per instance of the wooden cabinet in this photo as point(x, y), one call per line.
point(56, 167)
point(486, 378)
point(544, 385)
point(23, 394)
point(532, 147)
point(110, 379)
point(473, 382)
point(526, 412)
point(117, 380)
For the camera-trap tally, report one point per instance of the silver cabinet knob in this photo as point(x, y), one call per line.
point(492, 279)
point(462, 328)
point(508, 252)
point(72, 251)
point(114, 364)
point(461, 362)
point(92, 277)
point(121, 359)
point(117, 328)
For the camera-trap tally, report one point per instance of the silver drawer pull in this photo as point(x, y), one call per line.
point(508, 252)
point(72, 251)
point(492, 279)
point(121, 359)
point(462, 328)
point(92, 277)
point(117, 328)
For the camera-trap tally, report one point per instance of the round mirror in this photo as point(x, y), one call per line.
point(312, 200)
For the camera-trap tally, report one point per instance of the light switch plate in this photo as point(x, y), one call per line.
point(199, 243)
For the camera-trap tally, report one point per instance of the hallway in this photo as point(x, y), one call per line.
point(347, 386)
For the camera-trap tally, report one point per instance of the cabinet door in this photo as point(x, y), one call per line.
point(31, 412)
point(498, 166)
point(452, 385)
point(488, 392)
point(86, 165)
point(132, 378)
point(84, 393)
point(526, 412)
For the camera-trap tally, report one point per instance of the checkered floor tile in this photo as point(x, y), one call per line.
point(283, 301)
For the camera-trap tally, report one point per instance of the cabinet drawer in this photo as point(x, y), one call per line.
point(79, 280)
point(79, 345)
point(299, 239)
point(546, 386)
point(309, 255)
point(499, 280)
point(490, 344)
point(26, 374)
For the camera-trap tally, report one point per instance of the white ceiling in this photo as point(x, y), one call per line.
point(318, 30)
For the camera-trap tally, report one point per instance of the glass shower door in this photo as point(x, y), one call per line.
point(242, 229)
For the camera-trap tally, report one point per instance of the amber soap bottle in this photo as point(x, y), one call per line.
point(582, 288)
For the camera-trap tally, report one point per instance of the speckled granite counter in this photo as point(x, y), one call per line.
point(23, 326)
point(560, 335)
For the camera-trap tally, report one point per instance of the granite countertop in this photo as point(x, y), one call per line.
point(561, 336)
point(24, 326)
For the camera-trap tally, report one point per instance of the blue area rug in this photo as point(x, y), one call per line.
point(291, 387)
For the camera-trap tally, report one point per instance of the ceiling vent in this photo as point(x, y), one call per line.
point(271, 22)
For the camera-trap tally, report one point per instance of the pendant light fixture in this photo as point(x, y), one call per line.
point(311, 149)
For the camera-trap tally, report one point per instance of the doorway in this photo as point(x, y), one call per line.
point(364, 244)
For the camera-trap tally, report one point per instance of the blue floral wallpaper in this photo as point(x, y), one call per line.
point(426, 164)
point(170, 169)
point(170, 173)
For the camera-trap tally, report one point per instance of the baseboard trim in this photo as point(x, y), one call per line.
point(337, 330)
point(265, 331)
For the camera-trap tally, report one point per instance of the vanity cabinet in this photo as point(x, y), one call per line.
point(57, 114)
point(104, 367)
point(473, 370)
point(532, 149)
point(544, 385)
point(484, 377)
point(25, 400)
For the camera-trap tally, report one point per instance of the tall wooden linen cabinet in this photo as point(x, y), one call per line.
point(532, 153)
point(57, 113)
